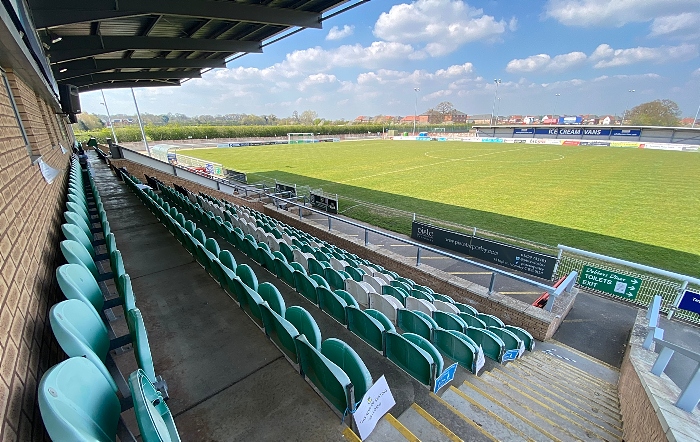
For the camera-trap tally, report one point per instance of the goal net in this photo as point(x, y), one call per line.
point(300, 137)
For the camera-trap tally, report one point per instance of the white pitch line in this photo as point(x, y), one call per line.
point(400, 245)
point(469, 273)
point(434, 257)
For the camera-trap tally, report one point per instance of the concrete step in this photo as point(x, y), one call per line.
point(573, 403)
point(464, 427)
point(521, 418)
point(545, 358)
point(567, 378)
point(425, 426)
point(573, 425)
point(350, 435)
point(493, 424)
point(389, 429)
point(558, 383)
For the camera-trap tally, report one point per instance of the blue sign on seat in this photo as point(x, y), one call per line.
point(445, 377)
point(690, 301)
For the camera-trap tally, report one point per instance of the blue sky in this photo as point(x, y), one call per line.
point(368, 61)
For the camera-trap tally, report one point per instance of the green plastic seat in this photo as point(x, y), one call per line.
point(77, 403)
point(285, 272)
point(329, 379)
point(316, 268)
point(298, 267)
point(305, 324)
point(227, 259)
point(110, 243)
point(332, 304)
point(320, 280)
point(468, 309)
point(395, 292)
point(381, 317)
point(490, 320)
point(472, 321)
point(524, 335)
point(200, 236)
point(281, 332)
point(75, 253)
point(401, 285)
point(127, 293)
point(74, 218)
point(247, 276)
point(412, 321)
point(81, 332)
point(492, 346)
point(449, 321)
point(443, 298)
point(75, 233)
point(510, 339)
point(410, 357)
point(76, 282)
point(79, 210)
point(366, 327)
point(342, 355)
point(422, 295)
point(287, 251)
point(458, 347)
point(267, 259)
point(272, 296)
point(355, 273)
point(335, 279)
point(153, 416)
point(190, 227)
point(428, 347)
point(142, 350)
point(306, 286)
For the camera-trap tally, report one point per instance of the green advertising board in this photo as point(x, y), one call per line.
point(609, 282)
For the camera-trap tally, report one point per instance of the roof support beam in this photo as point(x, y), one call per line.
point(131, 76)
point(125, 84)
point(77, 47)
point(86, 66)
point(52, 13)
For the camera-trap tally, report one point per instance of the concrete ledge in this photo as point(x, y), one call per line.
point(540, 323)
point(647, 401)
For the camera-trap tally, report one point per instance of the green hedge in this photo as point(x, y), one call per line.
point(176, 132)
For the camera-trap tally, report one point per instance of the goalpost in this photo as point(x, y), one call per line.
point(300, 138)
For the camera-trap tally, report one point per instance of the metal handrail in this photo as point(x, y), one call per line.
point(367, 229)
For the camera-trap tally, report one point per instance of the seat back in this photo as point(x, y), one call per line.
point(269, 293)
point(330, 380)
point(287, 251)
point(422, 305)
point(78, 403)
point(523, 334)
point(320, 281)
point(510, 339)
point(342, 355)
point(77, 282)
point(375, 283)
point(395, 292)
point(449, 321)
point(281, 331)
point(425, 344)
point(81, 332)
point(212, 246)
point(332, 304)
point(415, 322)
point(358, 291)
point(306, 286)
point(490, 320)
point(464, 308)
point(75, 253)
point(153, 416)
point(366, 327)
point(420, 294)
point(458, 347)
point(300, 257)
point(285, 272)
point(305, 324)
point(75, 233)
point(227, 259)
point(492, 345)
point(444, 306)
point(246, 274)
point(142, 350)
point(409, 357)
point(472, 321)
point(385, 304)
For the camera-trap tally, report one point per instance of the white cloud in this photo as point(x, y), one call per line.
point(544, 62)
point(337, 34)
point(696, 73)
point(614, 12)
point(607, 57)
point(442, 25)
point(316, 80)
point(437, 95)
point(683, 25)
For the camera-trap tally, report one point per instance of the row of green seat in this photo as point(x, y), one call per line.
point(453, 339)
point(331, 365)
point(413, 353)
point(79, 398)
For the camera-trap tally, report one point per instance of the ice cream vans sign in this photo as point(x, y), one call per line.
point(523, 260)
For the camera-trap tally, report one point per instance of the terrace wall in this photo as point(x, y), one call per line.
point(30, 219)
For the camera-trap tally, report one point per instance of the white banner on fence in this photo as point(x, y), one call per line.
point(377, 402)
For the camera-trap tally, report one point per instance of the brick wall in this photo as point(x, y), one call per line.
point(31, 212)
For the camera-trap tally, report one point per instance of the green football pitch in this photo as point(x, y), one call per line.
point(634, 204)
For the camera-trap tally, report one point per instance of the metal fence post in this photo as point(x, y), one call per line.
point(418, 257)
point(300, 212)
point(329, 223)
point(366, 236)
point(493, 281)
point(677, 301)
point(556, 264)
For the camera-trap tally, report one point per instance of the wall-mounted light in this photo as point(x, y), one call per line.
point(63, 70)
point(56, 39)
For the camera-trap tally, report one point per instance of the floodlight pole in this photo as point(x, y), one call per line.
point(415, 113)
point(109, 118)
point(556, 100)
point(493, 111)
point(138, 115)
point(628, 106)
point(696, 117)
